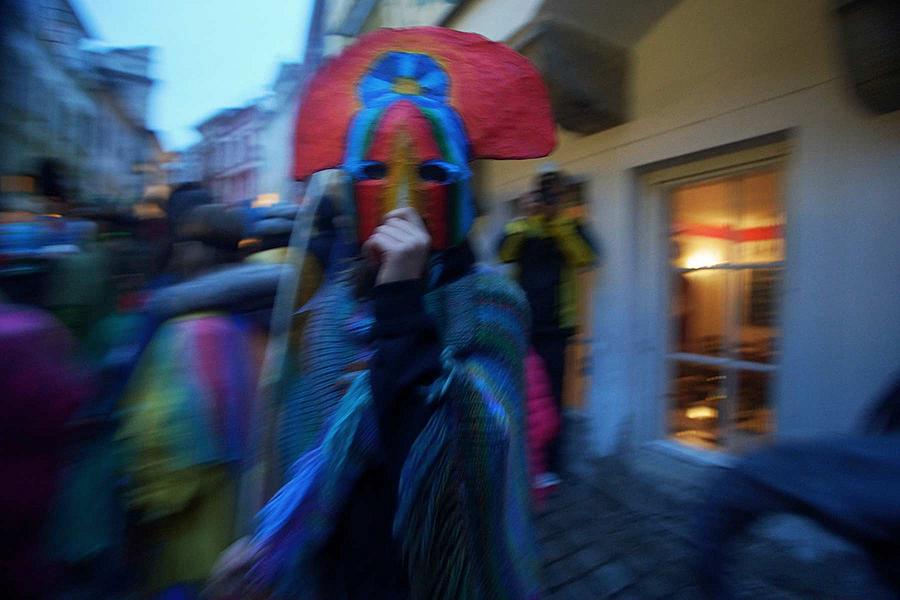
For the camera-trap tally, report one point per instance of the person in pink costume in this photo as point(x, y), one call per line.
point(542, 421)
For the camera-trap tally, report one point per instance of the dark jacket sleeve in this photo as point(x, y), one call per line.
point(406, 362)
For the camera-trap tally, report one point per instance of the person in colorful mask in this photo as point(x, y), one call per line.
point(408, 475)
point(407, 147)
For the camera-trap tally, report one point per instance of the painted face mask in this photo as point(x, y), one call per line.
point(403, 111)
point(407, 147)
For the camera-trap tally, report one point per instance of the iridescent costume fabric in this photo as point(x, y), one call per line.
point(331, 342)
point(463, 485)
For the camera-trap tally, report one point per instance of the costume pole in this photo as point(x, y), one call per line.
point(259, 481)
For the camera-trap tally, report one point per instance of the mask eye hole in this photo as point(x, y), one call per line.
point(434, 172)
point(374, 170)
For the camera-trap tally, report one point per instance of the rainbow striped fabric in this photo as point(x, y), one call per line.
point(463, 518)
point(185, 423)
point(195, 382)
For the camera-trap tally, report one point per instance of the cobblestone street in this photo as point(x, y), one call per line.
point(621, 527)
point(594, 546)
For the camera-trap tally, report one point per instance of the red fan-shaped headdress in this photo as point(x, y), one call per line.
point(496, 91)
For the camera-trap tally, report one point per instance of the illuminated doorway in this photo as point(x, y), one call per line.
point(726, 236)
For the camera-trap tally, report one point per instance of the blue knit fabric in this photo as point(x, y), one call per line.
point(463, 518)
point(314, 386)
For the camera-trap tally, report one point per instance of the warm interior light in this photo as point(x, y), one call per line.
point(701, 258)
point(701, 412)
point(264, 200)
point(148, 210)
point(157, 191)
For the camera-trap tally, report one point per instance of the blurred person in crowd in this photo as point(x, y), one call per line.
point(548, 248)
point(849, 485)
point(154, 236)
point(183, 199)
point(42, 387)
point(181, 202)
point(55, 186)
point(80, 288)
point(206, 237)
point(87, 537)
point(23, 268)
point(71, 269)
point(328, 249)
point(187, 410)
point(411, 480)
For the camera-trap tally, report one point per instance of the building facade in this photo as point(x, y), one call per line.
point(185, 166)
point(85, 110)
point(246, 154)
point(744, 193)
point(276, 180)
point(231, 150)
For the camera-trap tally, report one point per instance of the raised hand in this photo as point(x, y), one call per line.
point(399, 246)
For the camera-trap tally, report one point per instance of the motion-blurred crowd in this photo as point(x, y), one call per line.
point(137, 352)
point(108, 318)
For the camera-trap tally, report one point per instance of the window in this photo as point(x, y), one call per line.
point(727, 253)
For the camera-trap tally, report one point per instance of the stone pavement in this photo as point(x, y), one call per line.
point(595, 546)
point(621, 527)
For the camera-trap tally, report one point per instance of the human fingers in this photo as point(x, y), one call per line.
point(378, 246)
point(372, 250)
point(407, 213)
point(394, 230)
point(408, 231)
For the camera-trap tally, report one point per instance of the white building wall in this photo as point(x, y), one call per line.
point(278, 152)
point(408, 13)
point(277, 144)
point(495, 19)
point(232, 151)
point(714, 73)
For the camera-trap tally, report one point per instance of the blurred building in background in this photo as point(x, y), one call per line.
point(186, 166)
point(738, 161)
point(343, 20)
point(231, 151)
point(276, 181)
point(246, 154)
point(82, 109)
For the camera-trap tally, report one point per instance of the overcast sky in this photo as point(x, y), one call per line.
point(211, 53)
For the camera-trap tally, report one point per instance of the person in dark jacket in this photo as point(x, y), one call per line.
point(548, 248)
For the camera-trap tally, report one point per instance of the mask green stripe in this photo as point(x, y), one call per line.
point(371, 128)
point(439, 135)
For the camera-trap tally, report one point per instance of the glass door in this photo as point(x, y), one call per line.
point(726, 265)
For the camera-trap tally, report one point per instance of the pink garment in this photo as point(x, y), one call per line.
point(542, 419)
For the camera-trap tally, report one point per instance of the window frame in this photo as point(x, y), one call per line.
point(657, 186)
